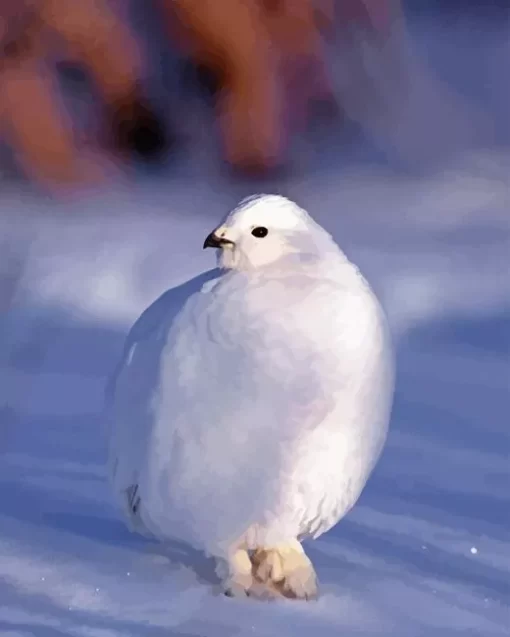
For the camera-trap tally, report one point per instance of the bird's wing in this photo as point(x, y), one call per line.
point(128, 412)
point(162, 312)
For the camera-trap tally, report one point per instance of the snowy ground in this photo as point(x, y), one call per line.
point(427, 550)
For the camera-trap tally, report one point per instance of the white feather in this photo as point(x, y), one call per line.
point(252, 403)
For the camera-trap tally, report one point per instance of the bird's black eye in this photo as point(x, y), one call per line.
point(260, 232)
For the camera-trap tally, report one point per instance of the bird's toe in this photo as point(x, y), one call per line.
point(234, 589)
point(299, 584)
point(236, 574)
point(286, 571)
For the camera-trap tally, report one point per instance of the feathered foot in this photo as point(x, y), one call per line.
point(286, 571)
point(235, 573)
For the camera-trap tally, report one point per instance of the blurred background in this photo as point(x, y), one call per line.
point(128, 128)
point(105, 90)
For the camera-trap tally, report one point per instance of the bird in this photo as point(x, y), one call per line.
point(252, 402)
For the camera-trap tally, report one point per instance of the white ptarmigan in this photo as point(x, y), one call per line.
point(252, 403)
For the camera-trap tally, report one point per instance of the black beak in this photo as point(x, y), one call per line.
point(213, 241)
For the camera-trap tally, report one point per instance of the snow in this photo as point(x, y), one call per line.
point(426, 552)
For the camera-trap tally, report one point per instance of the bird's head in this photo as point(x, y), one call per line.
point(264, 229)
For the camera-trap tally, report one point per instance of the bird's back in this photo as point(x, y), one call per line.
point(130, 389)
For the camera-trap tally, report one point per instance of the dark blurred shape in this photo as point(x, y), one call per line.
point(137, 129)
point(89, 43)
point(210, 80)
point(246, 56)
point(72, 73)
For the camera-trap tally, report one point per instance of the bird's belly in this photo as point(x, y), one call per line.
point(316, 486)
point(259, 478)
point(319, 485)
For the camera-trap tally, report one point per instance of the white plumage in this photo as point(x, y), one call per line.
point(252, 402)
